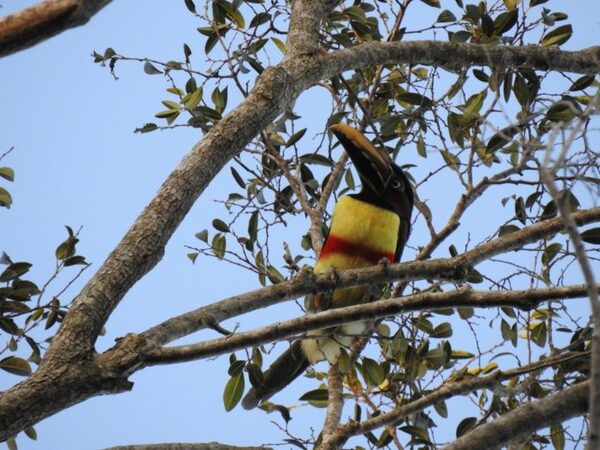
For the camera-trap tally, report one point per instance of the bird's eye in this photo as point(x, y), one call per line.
point(396, 184)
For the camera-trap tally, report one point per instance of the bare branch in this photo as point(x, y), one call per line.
point(460, 56)
point(465, 296)
point(335, 400)
point(44, 20)
point(185, 446)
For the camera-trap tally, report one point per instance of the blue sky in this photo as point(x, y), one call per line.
point(78, 163)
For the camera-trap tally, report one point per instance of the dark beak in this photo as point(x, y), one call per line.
point(373, 165)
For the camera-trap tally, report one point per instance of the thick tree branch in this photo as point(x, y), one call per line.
point(460, 56)
point(185, 446)
point(335, 400)
point(528, 418)
point(303, 32)
point(44, 20)
point(464, 296)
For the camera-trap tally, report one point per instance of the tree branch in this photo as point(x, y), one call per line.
point(185, 446)
point(528, 418)
point(460, 56)
point(44, 20)
point(465, 296)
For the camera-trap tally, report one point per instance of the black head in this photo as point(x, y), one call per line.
point(383, 183)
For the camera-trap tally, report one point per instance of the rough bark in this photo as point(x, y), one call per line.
point(528, 418)
point(44, 20)
point(185, 446)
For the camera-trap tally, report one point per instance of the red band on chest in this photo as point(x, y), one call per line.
point(335, 244)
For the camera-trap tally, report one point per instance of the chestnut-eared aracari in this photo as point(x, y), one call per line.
point(365, 228)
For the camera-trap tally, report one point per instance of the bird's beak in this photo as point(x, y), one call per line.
point(373, 165)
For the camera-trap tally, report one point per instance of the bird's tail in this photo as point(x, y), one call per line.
point(282, 372)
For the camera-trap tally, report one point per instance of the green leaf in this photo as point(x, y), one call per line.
point(150, 69)
point(15, 270)
point(256, 375)
point(75, 260)
point(190, 6)
point(434, 3)
point(355, 13)
point(441, 409)
point(520, 212)
point(219, 245)
point(579, 84)
point(233, 13)
point(465, 312)
point(436, 357)
point(415, 99)
point(443, 330)
point(259, 19)
point(295, 137)
point(9, 326)
point(5, 198)
point(591, 236)
point(505, 21)
point(219, 225)
point(374, 371)
point(202, 235)
point(7, 173)
point(11, 443)
point(561, 111)
point(421, 150)
point(446, 16)
point(558, 36)
point(316, 395)
point(66, 249)
point(253, 225)
point(505, 230)
point(450, 159)
point(417, 432)
point(557, 435)
point(461, 354)
point(193, 256)
point(194, 99)
point(219, 100)
point(506, 330)
point(233, 391)
point(550, 253)
point(146, 128)
point(167, 114)
point(280, 45)
point(31, 433)
point(465, 425)
point(474, 104)
point(109, 53)
point(238, 178)
point(236, 367)
point(16, 366)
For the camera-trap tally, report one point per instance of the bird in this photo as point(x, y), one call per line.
point(366, 227)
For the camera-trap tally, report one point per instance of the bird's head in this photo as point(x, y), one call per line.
point(383, 183)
